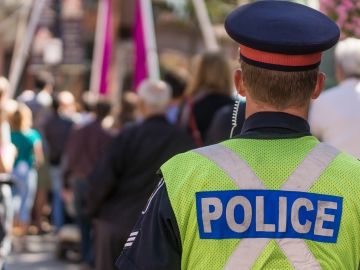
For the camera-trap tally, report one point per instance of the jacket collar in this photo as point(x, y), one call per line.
point(274, 125)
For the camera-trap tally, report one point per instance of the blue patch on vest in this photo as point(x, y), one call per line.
point(256, 214)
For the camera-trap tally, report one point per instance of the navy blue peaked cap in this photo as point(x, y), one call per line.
point(280, 28)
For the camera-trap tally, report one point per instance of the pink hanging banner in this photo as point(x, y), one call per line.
point(141, 71)
point(107, 49)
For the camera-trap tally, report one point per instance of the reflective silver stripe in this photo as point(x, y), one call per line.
point(246, 254)
point(311, 168)
point(161, 183)
point(238, 170)
point(134, 233)
point(298, 254)
point(302, 179)
point(306, 174)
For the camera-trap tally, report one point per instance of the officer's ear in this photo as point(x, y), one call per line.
point(239, 83)
point(320, 83)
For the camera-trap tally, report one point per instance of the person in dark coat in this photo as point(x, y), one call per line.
point(57, 130)
point(85, 147)
point(123, 182)
point(222, 125)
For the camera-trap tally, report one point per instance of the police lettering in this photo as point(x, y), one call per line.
point(243, 202)
point(272, 214)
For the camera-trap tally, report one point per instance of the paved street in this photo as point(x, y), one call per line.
point(39, 256)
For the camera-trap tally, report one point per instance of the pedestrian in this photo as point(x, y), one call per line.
point(209, 90)
point(127, 112)
point(67, 107)
point(56, 130)
point(178, 85)
point(7, 149)
point(334, 117)
point(86, 110)
point(124, 180)
point(29, 157)
point(7, 158)
point(39, 100)
point(85, 147)
point(275, 197)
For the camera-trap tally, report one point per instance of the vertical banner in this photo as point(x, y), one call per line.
point(100, 72)
point(205, 25)
point(23, 52)
point(146, 56)
point(106, 61)
point(141, 71)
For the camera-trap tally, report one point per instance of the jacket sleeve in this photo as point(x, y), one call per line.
point(104, 177)
point(154, 243)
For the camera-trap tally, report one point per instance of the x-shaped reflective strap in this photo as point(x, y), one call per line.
point(302, 179)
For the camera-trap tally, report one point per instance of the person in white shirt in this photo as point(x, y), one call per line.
point(335, 116)
point(8, 154)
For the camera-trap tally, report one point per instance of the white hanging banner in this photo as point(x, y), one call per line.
point(150, 39)
point(21, 57)
point(99, 48)
point(205, 25)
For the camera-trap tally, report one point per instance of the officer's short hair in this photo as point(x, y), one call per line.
point(281, 89)
point(347, 54)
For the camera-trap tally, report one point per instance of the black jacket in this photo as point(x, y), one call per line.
point(221, 126)
point(203, 108)
point(125, 178)
point(57, 130)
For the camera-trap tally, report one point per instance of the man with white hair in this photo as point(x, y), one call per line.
point(154, 98)
point(125, 178)
point(335, 116)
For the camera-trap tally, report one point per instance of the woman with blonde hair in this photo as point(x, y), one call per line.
point(209, 90)
point(30, 156)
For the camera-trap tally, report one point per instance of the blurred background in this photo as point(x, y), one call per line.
point(65, 57)
point(62, 37)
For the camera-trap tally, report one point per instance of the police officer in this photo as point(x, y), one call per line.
point(274, 197)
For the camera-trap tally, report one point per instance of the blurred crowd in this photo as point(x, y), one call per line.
point(84, 169)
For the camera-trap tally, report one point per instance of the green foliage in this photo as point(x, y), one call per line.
point(219, 9)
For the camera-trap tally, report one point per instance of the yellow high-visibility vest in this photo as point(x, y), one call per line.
point(266, 204)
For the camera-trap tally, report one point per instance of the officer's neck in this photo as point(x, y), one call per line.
point(253, 107)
